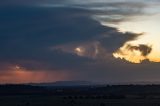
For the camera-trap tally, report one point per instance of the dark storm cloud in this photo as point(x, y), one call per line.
point(144, 49)
point(27, 28)
point(117, 39)
point(20, 2)
point(26, 35)
point(55, 60)
point(32, 2)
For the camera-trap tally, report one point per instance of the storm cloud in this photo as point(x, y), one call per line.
point(28, 35)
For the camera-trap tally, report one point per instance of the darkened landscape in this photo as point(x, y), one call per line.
point(115, 95)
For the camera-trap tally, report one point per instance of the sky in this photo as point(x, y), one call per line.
point(105, 41)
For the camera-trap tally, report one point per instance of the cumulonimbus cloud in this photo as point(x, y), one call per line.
point(32, 31)
point(28, 33)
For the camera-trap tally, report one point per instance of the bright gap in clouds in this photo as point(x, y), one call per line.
point(149, 25)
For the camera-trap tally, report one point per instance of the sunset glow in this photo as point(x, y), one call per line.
point(17, 74)
point(149, 25)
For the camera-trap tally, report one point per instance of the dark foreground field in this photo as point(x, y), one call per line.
point(58, 101)
point(126, 95)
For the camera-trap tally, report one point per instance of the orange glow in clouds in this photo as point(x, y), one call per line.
point(20, 75)
point(149, 25)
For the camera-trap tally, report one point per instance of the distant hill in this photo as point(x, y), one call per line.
point(65, 83)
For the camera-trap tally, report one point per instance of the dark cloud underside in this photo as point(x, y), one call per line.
point(28, 33)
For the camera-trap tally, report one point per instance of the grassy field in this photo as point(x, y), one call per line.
point(60, 101)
